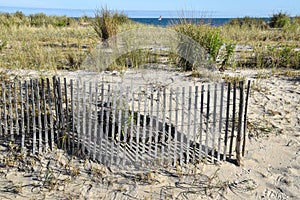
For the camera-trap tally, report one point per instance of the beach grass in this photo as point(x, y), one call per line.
point(51, 42)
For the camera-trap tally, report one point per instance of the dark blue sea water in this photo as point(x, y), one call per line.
point(141, 16)
point(171, 21)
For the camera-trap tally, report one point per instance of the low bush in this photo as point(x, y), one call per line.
point(280, 20)
point(249, 22)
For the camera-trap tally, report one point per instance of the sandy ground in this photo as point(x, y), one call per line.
point(271, 166)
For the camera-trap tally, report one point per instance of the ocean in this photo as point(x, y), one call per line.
point(141, 16)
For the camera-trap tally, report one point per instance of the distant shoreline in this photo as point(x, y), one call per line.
point(143, 16)
point(166, 14)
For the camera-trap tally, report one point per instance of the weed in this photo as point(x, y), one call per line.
point(2, 45)
point(233, 79)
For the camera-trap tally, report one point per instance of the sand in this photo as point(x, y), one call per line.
point(270, 170)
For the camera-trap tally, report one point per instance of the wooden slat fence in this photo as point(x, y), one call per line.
point(120, 126)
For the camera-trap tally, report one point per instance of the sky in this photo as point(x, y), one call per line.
point(217, 8)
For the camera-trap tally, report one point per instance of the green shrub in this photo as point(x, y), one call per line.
point(2, 45)
point(280, 20)
point(296, 20)
point(249, 22)
point(38, 20)
point(20, 15)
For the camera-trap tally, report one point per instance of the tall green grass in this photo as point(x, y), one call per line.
point(209, 38)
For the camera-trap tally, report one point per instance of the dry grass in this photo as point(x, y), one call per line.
point(45, 48)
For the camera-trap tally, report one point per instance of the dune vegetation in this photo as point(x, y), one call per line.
point(58, 42)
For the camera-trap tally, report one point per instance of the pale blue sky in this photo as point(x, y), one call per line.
point(232, 8)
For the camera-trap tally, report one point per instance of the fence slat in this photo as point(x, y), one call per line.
point(119, 108)
point(16, 109)
point(245, 118)
point(4, 108)
point(144, 125)
point(170, 126)
point(11, 123)
point(182, 125)
point(151, 121)
point(72, 116)
point(195, 123)
point(176, 126)
point(126, 121)
point(157, 125)
point(84, 118)
point(214, 123)
point(67, 124)
point(107, 128)
point(96, 132)
point(23, 150)
point(89, 119)
point(50, 114)
point(78, 124)
point(189, 125)
point(220, 122)
point(61, 139)
point(39, 116)
point(101, 126)
point(27, 109)
point(201, 121)
point(207, 123)
point(233, 120)
point(227, 121)
point(32, 83)
point(137, 137)
point(56, 105)
point(113, 131)
point(240, 124)
point(45, 121)
point(132, 118)
point(163, 140)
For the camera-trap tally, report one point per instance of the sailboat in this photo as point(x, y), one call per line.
point(160, 18)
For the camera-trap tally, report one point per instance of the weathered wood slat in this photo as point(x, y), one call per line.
point(227, 121)
point(240, 125)
point(207, 123)
point(245, 118)
point(233, 121)
point(23, 150)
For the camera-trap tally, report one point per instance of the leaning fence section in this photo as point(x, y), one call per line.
point(120, 126)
